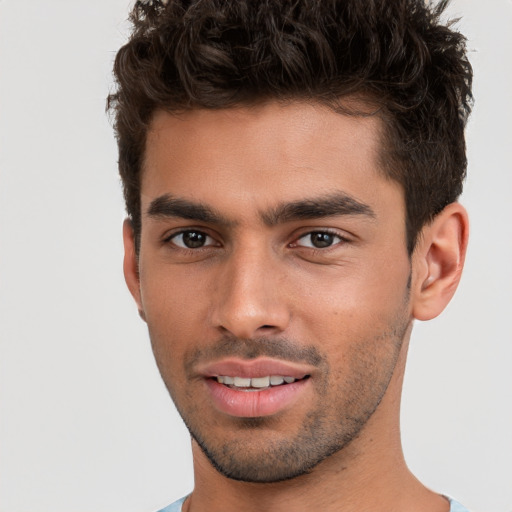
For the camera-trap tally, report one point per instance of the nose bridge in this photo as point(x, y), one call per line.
point(250, 297)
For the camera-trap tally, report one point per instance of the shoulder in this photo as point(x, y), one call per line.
point(455, 506)
point(176, 506)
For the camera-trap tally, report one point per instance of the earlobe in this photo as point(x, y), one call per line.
point(438, 261)
point(130, 265)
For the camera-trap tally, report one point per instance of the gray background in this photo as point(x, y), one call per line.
point(85, 423)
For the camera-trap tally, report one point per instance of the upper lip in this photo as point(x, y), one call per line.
point(260, 367)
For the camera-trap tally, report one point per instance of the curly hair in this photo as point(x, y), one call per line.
point(216, 54)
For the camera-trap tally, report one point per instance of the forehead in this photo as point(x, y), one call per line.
point(262, 155)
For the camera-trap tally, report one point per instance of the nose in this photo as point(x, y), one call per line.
point(250, 298)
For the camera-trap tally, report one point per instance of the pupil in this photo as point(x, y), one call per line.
point(320, 240)
point(193, 239)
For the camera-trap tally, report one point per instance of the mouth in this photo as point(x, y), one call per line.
point(256, 383)
point(256, 388)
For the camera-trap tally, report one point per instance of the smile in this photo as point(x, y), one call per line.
point(256, 397)
point(255, 388)
point(255, 383)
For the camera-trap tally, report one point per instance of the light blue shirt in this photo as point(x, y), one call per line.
point(176, 506)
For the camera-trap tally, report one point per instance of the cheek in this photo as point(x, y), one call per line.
point(171, 295)
point(352, 304)
point(173, 309)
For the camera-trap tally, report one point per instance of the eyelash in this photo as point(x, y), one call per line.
point(341, 240)
point(336, 234)
point(171, 237)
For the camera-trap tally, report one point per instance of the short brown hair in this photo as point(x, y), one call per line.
point(188, 54)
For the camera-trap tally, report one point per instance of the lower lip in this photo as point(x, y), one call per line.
point(254, 404)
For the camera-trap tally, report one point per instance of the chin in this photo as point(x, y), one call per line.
point(267, 460)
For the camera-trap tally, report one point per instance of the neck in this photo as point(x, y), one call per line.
point(338, 484)
point(369, 474)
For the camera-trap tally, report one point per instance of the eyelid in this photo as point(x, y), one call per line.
point(342, 238)
point(169, 237)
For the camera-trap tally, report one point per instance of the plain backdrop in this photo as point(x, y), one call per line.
point(85, 422)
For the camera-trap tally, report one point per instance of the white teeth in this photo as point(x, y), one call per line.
point(224, 379)
point(255, 382)
point(260, 382)
point(241, 382)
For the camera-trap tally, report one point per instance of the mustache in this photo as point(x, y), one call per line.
point(252, 348)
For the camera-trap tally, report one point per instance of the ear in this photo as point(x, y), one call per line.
point(131, 265)
point(438, 260)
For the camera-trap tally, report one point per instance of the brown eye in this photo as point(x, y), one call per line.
point(191, 239)
point(319, 240)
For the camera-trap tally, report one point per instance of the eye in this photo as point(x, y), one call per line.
point(191, 239)
point(319, 240)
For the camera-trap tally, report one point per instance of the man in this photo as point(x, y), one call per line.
point(291, 171)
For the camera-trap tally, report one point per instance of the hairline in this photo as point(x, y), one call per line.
point(358, 104)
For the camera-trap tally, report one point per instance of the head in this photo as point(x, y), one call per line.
point(289, 171)
point(397, 56)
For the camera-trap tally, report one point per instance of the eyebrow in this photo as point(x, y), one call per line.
point(167, 206)
point(325, 206)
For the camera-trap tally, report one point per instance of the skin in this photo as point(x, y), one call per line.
point(255, 285)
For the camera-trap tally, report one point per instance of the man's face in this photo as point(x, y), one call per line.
point(273, 259)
